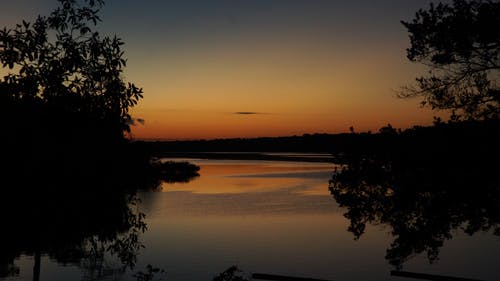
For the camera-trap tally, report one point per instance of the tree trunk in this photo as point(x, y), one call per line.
point(36, 267)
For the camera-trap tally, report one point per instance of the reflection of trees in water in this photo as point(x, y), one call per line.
point(422, 192)
point(83, 229)
point(93, 222)
point(173, 172)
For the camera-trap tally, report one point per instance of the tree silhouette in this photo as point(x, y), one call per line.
point(59, 64)
point(460, 42)
point(63, 100)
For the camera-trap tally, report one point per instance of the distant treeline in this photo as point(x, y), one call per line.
point(457, 136)
point(304, 143)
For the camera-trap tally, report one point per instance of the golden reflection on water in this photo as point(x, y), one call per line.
point(275, 217)
point(236, 177)
point(247, 188)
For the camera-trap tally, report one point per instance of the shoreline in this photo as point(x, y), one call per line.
point(245, 156)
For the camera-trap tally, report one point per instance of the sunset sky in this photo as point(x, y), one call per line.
point(216, 69)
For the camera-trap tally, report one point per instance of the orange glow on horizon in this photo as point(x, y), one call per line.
point(185, 125)
point(293, 90)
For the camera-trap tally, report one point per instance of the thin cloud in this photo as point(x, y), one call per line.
point(246, 113)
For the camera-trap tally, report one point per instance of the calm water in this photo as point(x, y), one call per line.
point(276, 218)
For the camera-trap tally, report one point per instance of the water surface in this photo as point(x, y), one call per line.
point(271, 217)
point(280, 218)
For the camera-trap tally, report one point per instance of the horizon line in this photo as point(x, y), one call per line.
point(229, 138)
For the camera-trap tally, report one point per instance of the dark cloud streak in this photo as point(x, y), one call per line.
point(246, 113)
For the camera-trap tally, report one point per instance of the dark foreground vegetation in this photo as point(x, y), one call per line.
point(65, 106)
point(69, 176)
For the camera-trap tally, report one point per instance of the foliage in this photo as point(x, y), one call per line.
point(58, 63)
point(460, 42)
point(64, 102)
point(233, 273)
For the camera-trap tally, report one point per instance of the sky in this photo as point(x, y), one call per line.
point(218, 69)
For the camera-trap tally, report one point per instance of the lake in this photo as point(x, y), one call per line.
point(271, 217)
